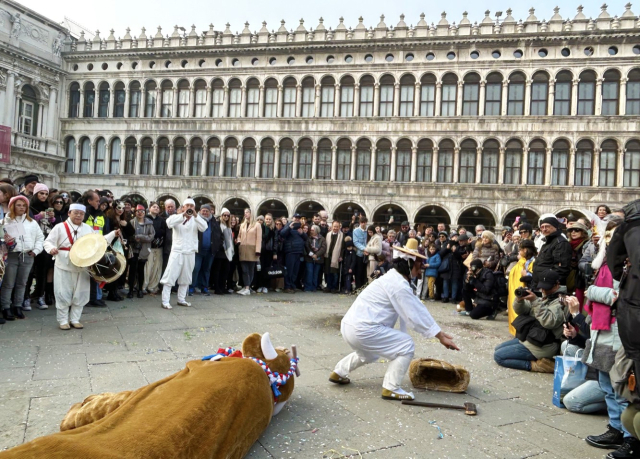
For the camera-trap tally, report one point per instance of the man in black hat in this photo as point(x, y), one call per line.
point(480, 286)
point(555, 253)
point(403, 235)
point(30, 181)
point(526, 231)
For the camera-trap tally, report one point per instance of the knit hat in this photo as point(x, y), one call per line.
point(225, 211)
point(30, 178)
point(516, 234)
point(553, 221)
point(463, 237)
point(76, 206)
point(103, 200)
point(476, 264)
point(205, 206)
point(489, 235)
point(348, 243)
point(40, 187)
point(443, 233)
point(19, 198)
point(526, 227)
point(346, 224)
point(140, 207)
point(189, 201)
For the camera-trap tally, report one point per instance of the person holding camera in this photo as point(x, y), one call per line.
point(153, 268)
point(480, 286)
point(520, 276)
point(185, 226)
point(294, 245)
point(555, 253)
point(539, 327)
point(140, 247)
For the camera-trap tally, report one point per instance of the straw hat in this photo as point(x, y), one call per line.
point(411, 248)
point(87, 250)
point(111, 269)
point(433, 374)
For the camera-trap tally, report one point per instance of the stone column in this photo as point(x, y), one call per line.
point(187, 160)
point(505, 97)
point(394, 161)
point(434, 165)
point(239, 161)
point(572, 166)
point(110, 108)
point(416, 98)
point(598, 107)
point(280, 110)
point(171, 159)
point(574, 97)
point(356, 100)
point(396, 99)
point(223, 158)
point(127, 100)
point(501, 166)
point(96, 103)
point(547, 166)
point(353, 162)
point(456, 164)
point(208, 103)
point(92, 159)
point(372, 168)
point(414, 163)
point(80, 106)
point(243, 102)
point(158, 102)
point(316, 104)
point(225, 103)
point(620, 168)
point(154, 160)
point(143, 103)
point(205, 158)
point(552, 97)
point(51, 112)
point(438, 106)
point(298, 101)
point(137, 165)
point(376, 99)
point(479, 165)
point(314, 162)
point(482, 96)
point(16, 111)
point(276, 161)
point(622, 101)
point(459, 97)
point(295, 162)
point(261, 101)
point(10, 98)
point(596, 167)
point(192, 100)
point(527, 97)
point(76, 167)
point(107, 159)
point(525, 164)
point(258, 162)
point(336, 101)
point(174, 105)
point(334, 162)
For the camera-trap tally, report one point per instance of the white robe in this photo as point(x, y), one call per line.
point(183, 249)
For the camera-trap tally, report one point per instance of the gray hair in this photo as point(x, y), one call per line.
point(412, 232)
point(480, 227)
point(316, 228)
point(166, 201)
point(391, 232)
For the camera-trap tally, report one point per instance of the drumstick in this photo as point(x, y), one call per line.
point(294, 352)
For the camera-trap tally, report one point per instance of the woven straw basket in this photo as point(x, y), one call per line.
point(433, 374)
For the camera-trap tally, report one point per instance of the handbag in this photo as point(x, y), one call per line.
point(275, 271)
point(623, 377)
point(569, 374)
point(445, 266)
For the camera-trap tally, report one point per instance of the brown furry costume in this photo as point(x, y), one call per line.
point(207, 410)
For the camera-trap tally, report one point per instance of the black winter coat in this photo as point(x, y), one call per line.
point(484, 286)
point(293, 241)
point(349, 260)
point(555, 254)
point(160, 227)
point(168, 236)
point(216, 236)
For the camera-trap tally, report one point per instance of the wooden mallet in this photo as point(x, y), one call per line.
point(294, 352)
point(469, 408)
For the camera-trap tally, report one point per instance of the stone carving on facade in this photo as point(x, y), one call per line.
point(58, 42)
point(3, 79)
point(20, 27)
point(17, 25)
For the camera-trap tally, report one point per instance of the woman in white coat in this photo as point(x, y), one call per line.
point(24, 239)
point(374, 247)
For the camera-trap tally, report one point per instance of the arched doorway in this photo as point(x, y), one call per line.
point(163, 198)
point(200, 200)
point(431, 215)
point(309, 208)
point(236, 206)
point(135, 199)
point(345, 211)
point(571, 213)
point(526, 215)
point(384, 214)
point(476, 216)
point(274, 207)
point(75, 196)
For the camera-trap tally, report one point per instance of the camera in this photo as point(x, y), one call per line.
point(562, 299)
point(521, 292)
point(189, 212)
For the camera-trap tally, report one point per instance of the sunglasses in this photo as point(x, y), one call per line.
point(58, 202)
point(574, 230)
point(65, 195)
point(226, 216)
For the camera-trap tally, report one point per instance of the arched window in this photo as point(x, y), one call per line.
point(513, 163)
point(166, 108)
point(151, 93)
point(363, 159)
point(248, 158)
point(445, 161)
point(231, 157)
point(118, 100)
point(103, 104)
point(85, 155)
point(562, 97)
point(449, 94)
point(346, 96)
point(253, 98)
point(305, 157)
point(130, 156)
point(163, 157)
point(271, 98)
point(179, 156)
point(70, 163)
point(289, 106)
point(610, 92)
point(286, 159)
point(268, 159)
point(424, 160)
point(383, 161)
point(584, 160)
point(327, 96)
point(217, 99)
point(134, 99)
point(407, 90)
point(235, 98)
point(632, 164)
point(539, 94)
point(608, 163)
point(147, 157)
point(515, 94)
point(114, 167)
point(428, 95)
point(183, 99)
point(471, 94)
point(28, 119)
point(403, 161)
point(386, 95)
point(633, 93)
point(468, 151)
point(101, 151)
point(343, 169)
point(323, 171)
point(89, 99)
point(308, 97)
point(74, 100)
point(535, 173)
point(201, 99)
point(197, 153)
point(490, 160)
point(493, 95)
point(560, 163)
point(213, 157)
point(366, 96)
point(587, 93)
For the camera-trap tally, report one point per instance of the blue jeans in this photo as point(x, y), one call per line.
point(513, 354)
point(332, 279)
point(615, 404)
point(586, 398)
point(292, 265)
point(202, 269)
point(311, 279)
point(454, 288)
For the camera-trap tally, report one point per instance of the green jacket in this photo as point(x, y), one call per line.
point(551, 315)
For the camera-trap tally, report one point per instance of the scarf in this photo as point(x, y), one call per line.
point(576, 243)
point(601, 318)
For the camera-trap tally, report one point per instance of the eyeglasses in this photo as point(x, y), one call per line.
point(58, 202)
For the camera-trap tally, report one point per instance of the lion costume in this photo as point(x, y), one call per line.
point(210, 409)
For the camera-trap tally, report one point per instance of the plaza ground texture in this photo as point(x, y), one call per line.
point(44, 370)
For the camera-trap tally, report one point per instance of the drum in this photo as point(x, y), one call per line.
point(109, 268)
point(102, 263)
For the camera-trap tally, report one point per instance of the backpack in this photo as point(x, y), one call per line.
point(501, 283)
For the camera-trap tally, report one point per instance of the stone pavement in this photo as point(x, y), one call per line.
point(44, 370)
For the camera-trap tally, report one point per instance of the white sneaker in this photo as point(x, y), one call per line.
point(244, 291)
point(231, 290)
point(26, 305)
point(166, 306)
point(42, 304)
point(184, 303)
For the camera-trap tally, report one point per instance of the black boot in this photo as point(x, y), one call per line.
point(49, 297)
point(17, 312)
point(8, 315)
point(140, 294)
point(611, 439)
point(630, 449)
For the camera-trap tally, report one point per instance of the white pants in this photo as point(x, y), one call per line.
point(372, 343)
point(71, 290)
point(180, 269)
point(153, 270)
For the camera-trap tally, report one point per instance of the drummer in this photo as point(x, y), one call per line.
point(71, 283)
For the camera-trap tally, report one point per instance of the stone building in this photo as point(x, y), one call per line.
point(463, 123)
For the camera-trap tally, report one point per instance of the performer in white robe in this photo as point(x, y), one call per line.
point(71, 283)
point(182, 259)
point(368, 326)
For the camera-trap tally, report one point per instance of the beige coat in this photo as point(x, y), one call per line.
point(374, 246)
point(337, 250)
point(250, 242)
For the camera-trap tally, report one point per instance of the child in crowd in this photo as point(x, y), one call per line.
point(431, 273)
point(348, 264)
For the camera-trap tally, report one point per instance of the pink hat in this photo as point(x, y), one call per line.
point(40, 187)
point(18, 198)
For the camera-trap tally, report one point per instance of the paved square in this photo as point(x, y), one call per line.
point(44, 370)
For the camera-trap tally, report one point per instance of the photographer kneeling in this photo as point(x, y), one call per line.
point(480, 285)
point(539, 326)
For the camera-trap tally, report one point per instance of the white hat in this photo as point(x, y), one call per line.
point(189, 201)
point(225, 210)
point(77, 206)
